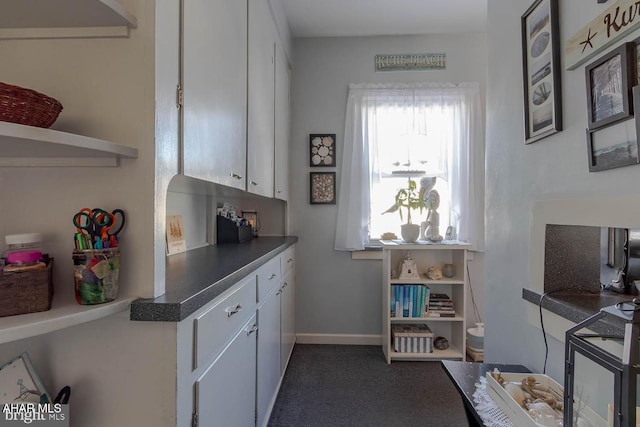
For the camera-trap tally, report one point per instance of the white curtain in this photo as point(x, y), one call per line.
point(410, 106)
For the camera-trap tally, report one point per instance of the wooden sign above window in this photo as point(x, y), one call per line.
point(619, 19)
point(411, 62)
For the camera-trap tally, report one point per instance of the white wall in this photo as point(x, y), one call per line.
point(518, 175)
point(335, 294)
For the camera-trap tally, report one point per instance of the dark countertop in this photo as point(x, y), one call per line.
point(196, 277)
point(465, 375)
point(577, 306)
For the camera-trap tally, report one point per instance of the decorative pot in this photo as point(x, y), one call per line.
point(410, 232)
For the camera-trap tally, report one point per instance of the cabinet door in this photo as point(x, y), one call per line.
point(260, 108)
point(287, 317)
point(282, 117)
point(225, 395)
point(268, 354)
point(214, 73)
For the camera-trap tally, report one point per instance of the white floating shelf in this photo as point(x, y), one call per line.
point(27, 19)
point(22, 145)
point(62, 314)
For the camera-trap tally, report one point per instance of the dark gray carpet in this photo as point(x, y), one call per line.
point(344, 385)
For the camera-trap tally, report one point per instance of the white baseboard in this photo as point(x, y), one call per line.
point(344, 339)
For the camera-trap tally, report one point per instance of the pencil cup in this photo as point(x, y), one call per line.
point(96, 274)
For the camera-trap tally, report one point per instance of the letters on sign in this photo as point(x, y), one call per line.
point(619, 19)
point(411, 62)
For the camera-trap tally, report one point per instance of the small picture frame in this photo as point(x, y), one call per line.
point(636, 46)
point(609, 81)
point(613, 146)
point(541, 70)
point(322, 188)
point(322, 149)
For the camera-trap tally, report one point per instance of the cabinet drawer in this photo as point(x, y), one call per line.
point(216, 326)
point(287, 259)
point(268, 278)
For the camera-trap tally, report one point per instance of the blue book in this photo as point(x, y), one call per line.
point(405, 301)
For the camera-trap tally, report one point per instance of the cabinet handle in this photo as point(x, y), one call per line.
point(236, 176)
point(273, 276)
point(252, 330)
point(254, 183)
point(285, 285)
point(233, 310)
point(289, 260)
point(279, 292)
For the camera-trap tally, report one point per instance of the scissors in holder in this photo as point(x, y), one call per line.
point(110, 233)
point(121, 222)
point(96, 223)
point(86, 230)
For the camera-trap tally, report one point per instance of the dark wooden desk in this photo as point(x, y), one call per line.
point(465, 375)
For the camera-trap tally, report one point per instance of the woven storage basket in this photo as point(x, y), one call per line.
point(27, 107)
point(26, 291)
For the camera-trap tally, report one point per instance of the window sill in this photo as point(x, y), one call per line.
point(371, 251)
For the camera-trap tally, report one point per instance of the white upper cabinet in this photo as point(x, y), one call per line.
point(260, 107)
point(282, 121)
point(214, 73)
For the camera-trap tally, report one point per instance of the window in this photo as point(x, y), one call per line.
point(394, 132)
point(401, 157)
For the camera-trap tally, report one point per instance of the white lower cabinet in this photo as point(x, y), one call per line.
point(287, 318)
point(225, 393)
point(276, 334)
point(269, 369)
point(232, 353)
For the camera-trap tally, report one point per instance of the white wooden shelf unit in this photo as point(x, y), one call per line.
point(64, 313)
point(22, 145)
point(426, 255)
point(40, 19)
point(64, 19)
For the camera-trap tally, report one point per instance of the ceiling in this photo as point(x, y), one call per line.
point(332, 18)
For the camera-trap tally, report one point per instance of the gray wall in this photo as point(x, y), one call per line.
point(337, 295)
point(518, 176)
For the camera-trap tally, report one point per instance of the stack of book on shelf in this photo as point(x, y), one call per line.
point(412, 338)
point(440, 305)
point(409, 300)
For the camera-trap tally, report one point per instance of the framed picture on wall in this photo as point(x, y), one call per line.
point(636, 46)
point(613, 146)
point(609, 81)
point(322, 188)
point(541, 70)
point(322, 149)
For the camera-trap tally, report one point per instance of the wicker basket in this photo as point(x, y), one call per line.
point(26, 291)
point(27, 107)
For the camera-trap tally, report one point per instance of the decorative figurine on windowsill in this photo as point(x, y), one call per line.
point(431, 197)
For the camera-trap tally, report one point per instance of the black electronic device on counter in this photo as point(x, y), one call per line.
point(229, 232)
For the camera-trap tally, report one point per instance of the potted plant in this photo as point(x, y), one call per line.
point(410, 199)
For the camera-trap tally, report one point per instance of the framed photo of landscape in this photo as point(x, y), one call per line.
point(613, 146)
point(609, 81)
point(541, 70)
